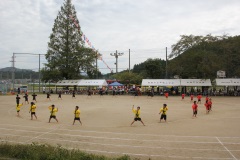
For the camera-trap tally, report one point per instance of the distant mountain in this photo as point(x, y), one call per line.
point(6, 73)
point(9, 69)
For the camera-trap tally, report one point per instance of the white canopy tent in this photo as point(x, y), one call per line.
point(92, 82)
point(160, 82)
point(67, 82)
point(195, 82)
point(228, 82)
point(176, 82)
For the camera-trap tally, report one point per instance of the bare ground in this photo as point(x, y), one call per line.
point(106, 126)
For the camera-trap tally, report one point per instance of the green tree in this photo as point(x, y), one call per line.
point(188, 41)
point(66, 55)
point(151, 68)
point(206, 58)
point(128, 77)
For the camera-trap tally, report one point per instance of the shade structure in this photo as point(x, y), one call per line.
point(161, 82)
point(228, 82)
point(195, 82)
point(115, 84)
point(67, 82)
point(176, 82)
point(92, 82)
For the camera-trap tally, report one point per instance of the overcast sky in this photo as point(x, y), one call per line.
point(146, 27)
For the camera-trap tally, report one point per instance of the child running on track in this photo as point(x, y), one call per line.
point(166, 95)
point(199, 97)
point(32, 110)
point(194, 108)
point(207, 107)
point(48, 96)
point(207, 98)
point(53, 111)
point(77, 115)
point(191, 96)
point(137, 115)
point(18, 99)
point(18, 108)
point(26, 98)
point(34, 97)
point(183, 95)
point(163, 110)
point(210, 104)
point(73, 94)
point(60, 95)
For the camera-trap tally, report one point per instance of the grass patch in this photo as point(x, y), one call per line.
point(36, 151)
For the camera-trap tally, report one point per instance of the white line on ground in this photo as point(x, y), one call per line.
point(120, 133)
point(37, 137)
point(122, 139)
point(226, 148)
point(131, 146)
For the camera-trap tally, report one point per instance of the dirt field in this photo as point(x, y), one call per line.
point(106, 126)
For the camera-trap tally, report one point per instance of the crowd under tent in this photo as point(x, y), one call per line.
point(184, 84)
point(227, 82)
point(115, 84)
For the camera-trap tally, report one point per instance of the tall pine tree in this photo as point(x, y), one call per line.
point(66, 55)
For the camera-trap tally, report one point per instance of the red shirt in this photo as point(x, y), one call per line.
point(210, 103)
point(194, 106)
point(199, 96)
point(166, 94)
point(183, 95)
point(206, 105)
point(207, 98)
point(191, 96)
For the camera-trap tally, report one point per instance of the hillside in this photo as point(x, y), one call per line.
point(6, 73)
point(205, 59)
point(200, 61)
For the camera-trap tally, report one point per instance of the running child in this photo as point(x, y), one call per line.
point(26, 98)
point(210, 104)
point(53, 111)
point(183, 95)
point(48, 96)
point(199, 97)
point(207, 107)
point(166, 95)
point(77, 115)
point(195, 109)
point(163, 112)
point(73, 94)
point(89, 92)
point(18, 99)
point(32, 110)
point(137, 115)
point(34, 97)
point(18, 108)
point(60, 95)
point(207, 98)
point(191, 96)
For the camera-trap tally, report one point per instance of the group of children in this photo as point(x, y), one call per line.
point(52, 109)
point(163, 110)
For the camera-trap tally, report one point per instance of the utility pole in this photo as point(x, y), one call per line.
point(129, 61)
point(97, 56)
point(13, 71)
point(39, 73)
point(116, 56)
point(13, 67)
point(166, 65)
